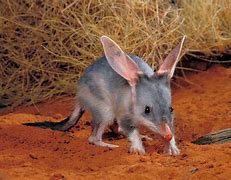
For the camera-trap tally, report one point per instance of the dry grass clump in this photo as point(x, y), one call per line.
point(208, 25)
point(46, 45)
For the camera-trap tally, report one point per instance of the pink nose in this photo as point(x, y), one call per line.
point(166, 132)
point(168, 137)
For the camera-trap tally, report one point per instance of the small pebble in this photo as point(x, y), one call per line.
point(56, 149)
point(144, 159)
point(209, 166)
point(33, 156)
point(57, 176)
point(184, 156)
point(66, 141)
point(194, 169)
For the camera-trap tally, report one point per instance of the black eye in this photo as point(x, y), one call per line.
point(171, 109)
point(147, 110)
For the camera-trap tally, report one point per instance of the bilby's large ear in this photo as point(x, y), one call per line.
point(120, 62)
point(171, 60)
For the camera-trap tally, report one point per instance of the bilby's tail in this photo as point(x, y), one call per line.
point(63, 125)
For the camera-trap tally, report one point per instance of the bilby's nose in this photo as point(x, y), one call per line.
point(165, 131)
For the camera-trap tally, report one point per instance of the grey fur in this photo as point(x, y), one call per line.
point(108, 97)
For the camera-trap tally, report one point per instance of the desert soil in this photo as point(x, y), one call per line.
point(202, 105)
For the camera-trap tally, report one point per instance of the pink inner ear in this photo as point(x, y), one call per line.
point(171, 60)
point(120, 62)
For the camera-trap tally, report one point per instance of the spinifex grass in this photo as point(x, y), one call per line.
point(46, 45)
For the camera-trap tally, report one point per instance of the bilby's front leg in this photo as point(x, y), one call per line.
point(129, 129)
point(136, 142)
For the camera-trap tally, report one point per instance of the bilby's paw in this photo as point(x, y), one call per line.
point(137, 149)
point(172, 150)
point(93, 140)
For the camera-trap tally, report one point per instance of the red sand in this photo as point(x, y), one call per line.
point(200, 108)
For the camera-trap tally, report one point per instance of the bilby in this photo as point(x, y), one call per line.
point(123, 88)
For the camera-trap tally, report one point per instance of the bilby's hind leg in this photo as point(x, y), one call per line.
point(96, 99)
point(101, 119)
point(96, 136)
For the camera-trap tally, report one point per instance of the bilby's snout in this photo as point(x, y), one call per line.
point(165, 131)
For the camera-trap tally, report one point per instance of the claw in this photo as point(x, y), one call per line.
point(174, 151)
point(92, 140)
point(136, 150)
point(146, 137)
point(103, 144)
point(171, 148)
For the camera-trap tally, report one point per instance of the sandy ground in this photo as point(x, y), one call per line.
point(201, 107)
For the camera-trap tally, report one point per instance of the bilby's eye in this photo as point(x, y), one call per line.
point(147, 110)
point(171, 109)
